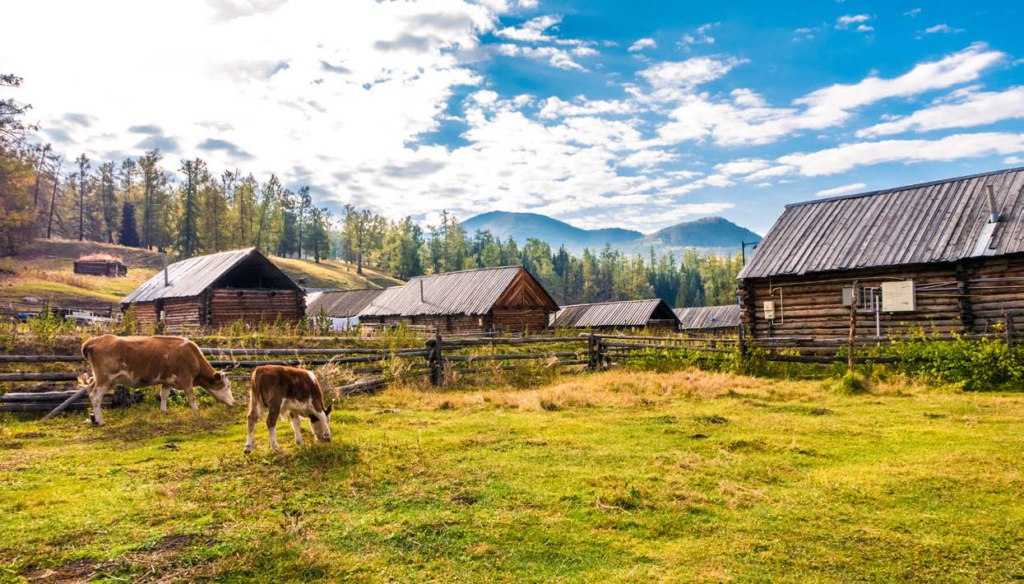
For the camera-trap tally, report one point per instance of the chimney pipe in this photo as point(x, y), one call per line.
point(422, 300)
point(991, 194)
point(166, 280)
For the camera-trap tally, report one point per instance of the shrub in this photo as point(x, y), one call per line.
point(850, 384)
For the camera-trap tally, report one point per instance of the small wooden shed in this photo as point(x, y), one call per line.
point(217, 290)
point(652, 313)
point(100, 264)
point(944, 256)
point(709, 320)
point(471, 301)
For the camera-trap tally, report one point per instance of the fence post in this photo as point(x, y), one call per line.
point(853, 326)
point(435, 360)
point(591, 353)
point(1008, 317)
point(600, 353)
point(741, 342)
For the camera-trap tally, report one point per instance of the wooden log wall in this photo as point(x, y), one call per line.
point(951, 298)
point(109, 269)
point(227, 306)
point(145, 313)
point(528, 319)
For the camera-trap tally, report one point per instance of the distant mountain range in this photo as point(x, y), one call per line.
point(708, 235)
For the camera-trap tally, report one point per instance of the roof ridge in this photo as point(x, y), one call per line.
point(465, 271)
point(902, 187)
point(612, 302)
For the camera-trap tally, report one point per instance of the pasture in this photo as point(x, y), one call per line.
point(615, 476)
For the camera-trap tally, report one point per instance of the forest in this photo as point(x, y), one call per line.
point(186, 208)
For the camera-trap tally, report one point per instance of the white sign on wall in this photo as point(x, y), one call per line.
point(898, 296)
point(769, 309)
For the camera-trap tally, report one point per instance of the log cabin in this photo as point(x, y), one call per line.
point(100, 264)
point(709, 320)
point(652, 313)
point(217, 290)
point(471, 301)
point(340, 307)
point(944, 256)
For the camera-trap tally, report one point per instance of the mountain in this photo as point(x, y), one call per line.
point(709, 234)
point(522, 226)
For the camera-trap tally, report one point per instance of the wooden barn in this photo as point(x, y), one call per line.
point(471, 301)
point(709, 320)
point(100, 264)
point(944, 256)
point(217, 290)
point(628, 314)
point(342, 307)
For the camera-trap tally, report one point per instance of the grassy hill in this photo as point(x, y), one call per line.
point(43, 271)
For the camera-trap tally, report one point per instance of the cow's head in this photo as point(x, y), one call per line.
point(320, 426)
point(220, 389)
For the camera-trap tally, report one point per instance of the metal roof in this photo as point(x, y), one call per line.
point(708, 317)
point(192, 276)
point(471, 292)
point(624, 313)
point(941, 221)
point(340, 303)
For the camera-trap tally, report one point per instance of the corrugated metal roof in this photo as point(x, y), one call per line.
point(625, 313)
point(190, 277)
point(471, 292)
point(708, 317)
point(939, 221)
point(340, 303)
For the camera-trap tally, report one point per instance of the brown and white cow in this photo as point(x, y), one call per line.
point(170, 362)
point(291, 390)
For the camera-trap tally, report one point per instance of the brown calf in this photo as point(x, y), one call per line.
point(290, 390)
point(170, 362)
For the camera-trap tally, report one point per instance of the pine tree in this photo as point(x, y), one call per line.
point(108, 198)
point(129, 233)
point(83, 181)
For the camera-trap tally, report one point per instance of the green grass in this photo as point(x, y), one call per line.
point(620, 476)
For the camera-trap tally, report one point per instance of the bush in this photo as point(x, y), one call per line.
point(850, 384)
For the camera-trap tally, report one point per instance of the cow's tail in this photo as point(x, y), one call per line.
point(86, 381)
point(87, 348)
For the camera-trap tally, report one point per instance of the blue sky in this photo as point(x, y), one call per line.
point(630, 114)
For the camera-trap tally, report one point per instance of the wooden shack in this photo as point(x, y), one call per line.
point(217, 290)
point(652, 313)
point(709, 320)
point(471, 301)
point(944, 256)
point(342, 307)
point(100, 264)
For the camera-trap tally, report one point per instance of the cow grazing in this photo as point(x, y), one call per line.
point(170, 362)
point(279, 389)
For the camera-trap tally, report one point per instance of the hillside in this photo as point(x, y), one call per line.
point(43, 271)
point(708, 234)
point(522, 226)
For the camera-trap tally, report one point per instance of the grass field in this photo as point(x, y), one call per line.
point(617, 476)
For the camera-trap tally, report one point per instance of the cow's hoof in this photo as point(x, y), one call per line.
point(247, 451)
point(92, 420)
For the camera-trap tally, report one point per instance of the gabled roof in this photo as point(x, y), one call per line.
point(341, 303)
point(708, 317)
point(470, 292)
point(941, 221)
point(192, 276)
point(624, 313)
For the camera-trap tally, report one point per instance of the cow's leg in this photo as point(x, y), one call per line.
point(254, 416)
point(272, 415)
point(297, 427)
point(190, 395)
point(96, 393)
point(165, 392)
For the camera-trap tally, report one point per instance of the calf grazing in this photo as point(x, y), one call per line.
point(171, 362)
point(291, 390)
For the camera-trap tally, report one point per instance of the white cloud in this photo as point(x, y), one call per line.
point(844, 22)
point(941, 29)
point(700, 36)
point(742, 166)
point(865, 28)
point(556, 57)
point(689, 73)
point(647, 158)
point(843, 190)
point(956, 146)
point(973, 109)
point(642, 44)
point(747, 98)
point(1013, 160)
point(531, 31)
point(527, 4)
point(699, 117)
point(553, 107)
point(912, 12)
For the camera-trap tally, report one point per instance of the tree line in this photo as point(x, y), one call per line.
point(141, 202)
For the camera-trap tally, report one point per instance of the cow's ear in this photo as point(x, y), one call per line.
point(327, 412)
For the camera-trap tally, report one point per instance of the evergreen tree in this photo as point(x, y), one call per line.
point(129, 233)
